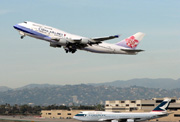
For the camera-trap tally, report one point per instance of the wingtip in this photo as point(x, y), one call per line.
point(117, 36)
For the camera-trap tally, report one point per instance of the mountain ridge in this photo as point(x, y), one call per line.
point(4, 88)
point(163, 83)
point(85, 94)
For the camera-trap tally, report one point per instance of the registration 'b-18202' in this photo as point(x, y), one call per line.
point(71, 43)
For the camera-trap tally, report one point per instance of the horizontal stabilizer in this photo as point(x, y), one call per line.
point(132, 51)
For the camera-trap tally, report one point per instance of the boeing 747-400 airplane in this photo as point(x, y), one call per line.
point(71, 42)
point(159, 111)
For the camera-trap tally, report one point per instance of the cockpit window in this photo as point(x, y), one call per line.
point(25, 22)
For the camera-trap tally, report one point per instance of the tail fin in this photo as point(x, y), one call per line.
point(132, 41)
point(162, 107)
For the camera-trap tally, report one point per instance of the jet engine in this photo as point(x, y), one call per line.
point(130, 120)
point(84, 41)
point(63, 42)
point(54, 45)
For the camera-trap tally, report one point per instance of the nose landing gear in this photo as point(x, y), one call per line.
point(22, 37)
point(22, 34)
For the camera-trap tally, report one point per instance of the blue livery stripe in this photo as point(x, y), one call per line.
point(80, 115)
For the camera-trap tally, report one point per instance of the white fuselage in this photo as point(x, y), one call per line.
point(105, 116)
point(49, 34)
point(105, 48)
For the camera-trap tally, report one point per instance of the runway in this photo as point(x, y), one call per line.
point(32, 119)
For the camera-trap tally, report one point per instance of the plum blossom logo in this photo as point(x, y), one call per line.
point(132, 42)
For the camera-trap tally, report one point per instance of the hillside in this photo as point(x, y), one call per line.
point(86, 94)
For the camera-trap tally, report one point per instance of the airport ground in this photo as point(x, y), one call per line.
point(32, 119)
point(39, 119)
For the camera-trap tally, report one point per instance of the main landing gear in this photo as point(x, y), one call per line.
point(72, 48)
point(67, 50)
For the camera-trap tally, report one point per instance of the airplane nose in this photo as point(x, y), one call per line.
point(75, 117)
point(15, 26)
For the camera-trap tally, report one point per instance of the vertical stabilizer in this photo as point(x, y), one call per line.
point(132, 41)
point(163, 106)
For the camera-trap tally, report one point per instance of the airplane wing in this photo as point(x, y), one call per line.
point(99, 39)
point(104, 119)
point(121, 120)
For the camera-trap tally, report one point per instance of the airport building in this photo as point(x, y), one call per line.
point(61, 114)
point(144, 106)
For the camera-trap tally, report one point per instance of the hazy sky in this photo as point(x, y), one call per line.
point(32, 61)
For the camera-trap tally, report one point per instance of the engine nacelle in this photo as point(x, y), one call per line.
point(54, 45)
point(84, 41)
point(130, 120)
point(114, 120)
point(63, 42)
